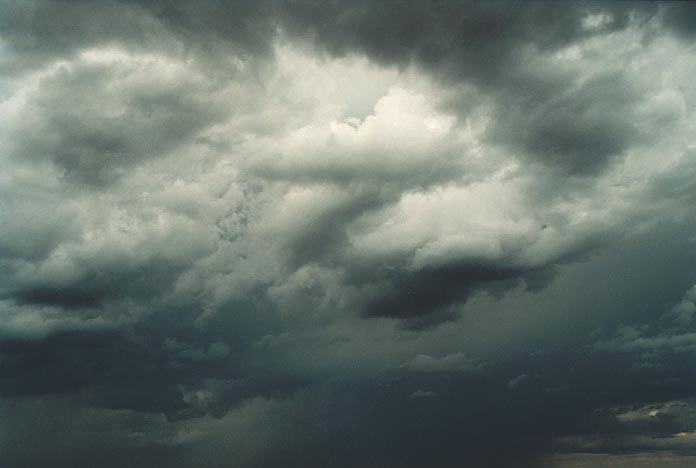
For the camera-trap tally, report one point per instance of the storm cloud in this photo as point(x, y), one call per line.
point(350, 234)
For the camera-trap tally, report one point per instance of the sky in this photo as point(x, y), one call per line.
point(365, 234)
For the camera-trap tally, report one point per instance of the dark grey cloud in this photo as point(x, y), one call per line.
point(96, 120)
point(495, 46)
point(470, 40)
point(346, 234)
point(433, 291)
point(577, 129)
point(38, 31)
point(680, 17)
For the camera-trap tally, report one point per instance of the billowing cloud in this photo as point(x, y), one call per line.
point(347, 234)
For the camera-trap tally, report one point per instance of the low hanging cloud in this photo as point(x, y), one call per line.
point(348, 234)
point(455, 362)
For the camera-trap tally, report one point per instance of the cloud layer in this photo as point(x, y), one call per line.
point(347, 234)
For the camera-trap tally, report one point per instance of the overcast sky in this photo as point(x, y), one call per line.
point(350, 234)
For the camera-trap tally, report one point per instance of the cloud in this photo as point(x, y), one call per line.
point(515, 382)
point(347, 234)
point(422, 394)
point(108, 110)
point(455, 362)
